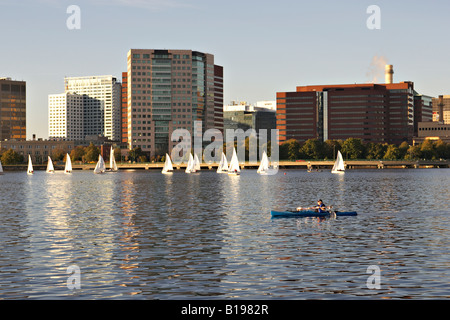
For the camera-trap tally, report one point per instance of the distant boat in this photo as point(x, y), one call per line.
point(50, 168)
point(112, 161)
point(264, 167)
point(30, 166)
point(168, 168)
point(339, 166)
point(190, 168)
point(234, 165)
point(68, 167)
point(196, 163)
point(1, 168)
point(223, 165)
point(100, 166)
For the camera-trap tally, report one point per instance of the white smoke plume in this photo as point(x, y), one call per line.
point(375, 74)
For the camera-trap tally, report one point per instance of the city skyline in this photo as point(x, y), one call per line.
point(264, 46)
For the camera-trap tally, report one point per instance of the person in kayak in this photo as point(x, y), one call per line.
point(321, 207)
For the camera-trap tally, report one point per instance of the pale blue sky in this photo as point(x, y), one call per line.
point(264, 46)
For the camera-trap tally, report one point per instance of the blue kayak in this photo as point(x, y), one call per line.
point(309, 213)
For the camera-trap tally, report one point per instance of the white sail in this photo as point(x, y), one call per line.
point(100, 167)
point(234, 164)
point(223, 165)
point(168, 168)
point(196, 163)
point(30, 166)
point(1, 168)
point(112, 161)
point(264, 165)
point(339, 166)
point(191, 165)
point(50, 167)
point(68, 167)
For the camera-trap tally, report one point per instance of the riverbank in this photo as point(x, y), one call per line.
point(300, 164)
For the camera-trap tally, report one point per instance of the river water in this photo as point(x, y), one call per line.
point(145, 235)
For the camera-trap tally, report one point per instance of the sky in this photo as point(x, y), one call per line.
point(264, 46)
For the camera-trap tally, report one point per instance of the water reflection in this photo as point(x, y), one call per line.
point(147, 235)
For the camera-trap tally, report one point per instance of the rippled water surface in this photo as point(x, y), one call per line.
point(144, 235)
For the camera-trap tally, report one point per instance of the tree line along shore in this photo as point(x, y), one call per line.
point(291, 150)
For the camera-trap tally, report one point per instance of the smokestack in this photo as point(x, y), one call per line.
point(441, 109)
point(389, 73)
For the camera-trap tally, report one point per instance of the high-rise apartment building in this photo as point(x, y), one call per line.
point(168, 90)
point(66, 116)
point(12, 109)
point(102, 111)
point(372, 112)
point(98, 114)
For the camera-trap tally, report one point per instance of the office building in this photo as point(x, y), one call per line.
point(102, 108)
point(168, 90)
point(66, 116)
point(12, 109)
point(441, 109)
point(242, 115)
point(382, 113)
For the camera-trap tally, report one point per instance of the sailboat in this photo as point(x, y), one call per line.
point(234, 165)
point(50, 168)
point(264, 167)
point(196, 163)
point(30, 166)
point(190, 168)
point(223, 165)
point(68, 167)
point(1, 168)
point(100, 166)
point(168, 168)
point(112, 161)
point(339, 166)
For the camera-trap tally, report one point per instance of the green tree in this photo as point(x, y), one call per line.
point(442, 149)
point(427, 150)
point(331, 148)
point(290, 150)
point(91, 153)
point(392, 152)
point(135, 153)
point(375, 150)
point(413, 153)
point(118, 154)
point(58, 154)
point(313, 149)
point(77, 154)
point(353, 148)
point(11, 157)
point(403, 148)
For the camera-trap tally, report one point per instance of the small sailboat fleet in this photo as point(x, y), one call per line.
point(223, 165)
point(68, 166)
point(168, 167)
point(112, 161)
point(50, 167)
point(264, 167)
point(30, 166)
point(190, 168)
point(234, 168)
point(100, 167)
point(339, 166)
